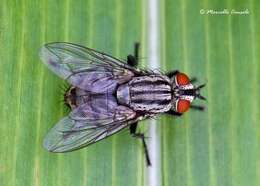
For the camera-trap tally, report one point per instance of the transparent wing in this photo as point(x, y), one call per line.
point(87, 124)
point(86, 68)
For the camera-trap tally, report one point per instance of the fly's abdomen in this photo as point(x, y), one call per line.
point(146, 93)
point(74, 97)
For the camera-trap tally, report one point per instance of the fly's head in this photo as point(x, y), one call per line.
point(184, 92)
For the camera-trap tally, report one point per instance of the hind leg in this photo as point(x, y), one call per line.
point(140, 136)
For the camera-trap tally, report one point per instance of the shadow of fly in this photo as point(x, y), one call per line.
point(107, 95)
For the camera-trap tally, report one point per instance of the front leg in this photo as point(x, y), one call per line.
point(197, 107)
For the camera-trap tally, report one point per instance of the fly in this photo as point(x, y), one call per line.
point(107, 95)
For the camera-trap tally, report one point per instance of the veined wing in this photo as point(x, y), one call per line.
point(89, 123)
point(86, 68)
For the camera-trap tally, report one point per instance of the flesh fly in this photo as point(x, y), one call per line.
point(107, 95)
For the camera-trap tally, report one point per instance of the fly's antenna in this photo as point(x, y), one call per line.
point(200, 87)
point(197, 94)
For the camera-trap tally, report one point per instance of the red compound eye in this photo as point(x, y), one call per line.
point(182, 79)
point(183, 105)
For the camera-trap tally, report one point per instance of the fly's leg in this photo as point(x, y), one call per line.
point(193, 80)
point(197, 107)
point(172, 73)
point(133, 60)
point(137, 46)
point(142, 137)
point(173, 113)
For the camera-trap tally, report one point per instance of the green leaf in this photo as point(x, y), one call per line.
point(221, 145)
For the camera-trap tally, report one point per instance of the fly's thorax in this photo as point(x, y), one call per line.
point(146, 93)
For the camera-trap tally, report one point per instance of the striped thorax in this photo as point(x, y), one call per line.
point(151, 93)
